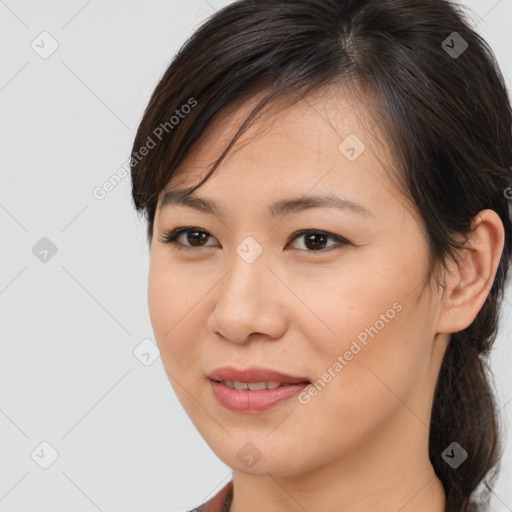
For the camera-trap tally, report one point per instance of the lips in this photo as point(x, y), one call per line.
point(255, 389)
point(254, 374)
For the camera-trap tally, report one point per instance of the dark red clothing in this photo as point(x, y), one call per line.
point(221, 502)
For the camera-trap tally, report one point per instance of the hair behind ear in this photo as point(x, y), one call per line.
point(464, 411)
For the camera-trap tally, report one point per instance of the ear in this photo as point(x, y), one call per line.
point(469, 283)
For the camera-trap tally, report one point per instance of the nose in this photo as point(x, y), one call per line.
point(249, 303)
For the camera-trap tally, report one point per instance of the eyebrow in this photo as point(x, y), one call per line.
point(183, 197)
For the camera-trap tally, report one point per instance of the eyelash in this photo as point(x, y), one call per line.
point(172, 236)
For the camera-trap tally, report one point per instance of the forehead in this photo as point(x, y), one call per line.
point(294, 150)
point(326, 122)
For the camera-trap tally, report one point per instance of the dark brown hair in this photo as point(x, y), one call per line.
point(447, 119)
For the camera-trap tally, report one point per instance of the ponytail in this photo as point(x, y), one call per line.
point(464, 411)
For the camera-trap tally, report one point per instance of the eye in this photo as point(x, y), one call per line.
point(314, 240)
point(193, 236)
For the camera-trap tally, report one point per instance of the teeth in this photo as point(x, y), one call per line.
point(252, 386)
point(257, 386)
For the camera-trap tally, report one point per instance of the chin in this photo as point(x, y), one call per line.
point(249, 455)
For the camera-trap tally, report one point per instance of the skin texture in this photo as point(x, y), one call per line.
point(360, 444)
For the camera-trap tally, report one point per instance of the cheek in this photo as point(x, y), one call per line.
point(172, 315)
point(174, 318)
point(368, 325)
point(345, 305)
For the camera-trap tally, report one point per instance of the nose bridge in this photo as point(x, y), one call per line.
point(246, 298)
point(245, 282)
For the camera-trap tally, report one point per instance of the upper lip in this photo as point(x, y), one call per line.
point(253, 374)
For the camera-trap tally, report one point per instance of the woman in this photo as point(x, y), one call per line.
point(324, 303)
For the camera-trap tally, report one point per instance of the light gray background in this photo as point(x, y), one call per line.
point(69, 326)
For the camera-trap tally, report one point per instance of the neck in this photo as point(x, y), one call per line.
point(390, 473)
point(402, 492)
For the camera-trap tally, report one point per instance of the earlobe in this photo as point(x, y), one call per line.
point(469, 284)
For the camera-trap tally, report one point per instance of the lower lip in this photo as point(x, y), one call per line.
point(241, 400)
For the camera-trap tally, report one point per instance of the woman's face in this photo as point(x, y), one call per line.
point(343, 306)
